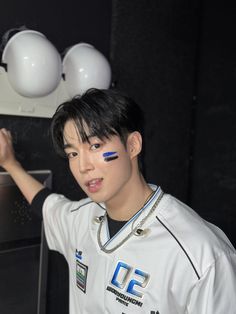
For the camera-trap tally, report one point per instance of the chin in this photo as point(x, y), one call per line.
point(96, 198)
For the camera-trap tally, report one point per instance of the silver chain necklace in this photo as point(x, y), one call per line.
point(133, 232)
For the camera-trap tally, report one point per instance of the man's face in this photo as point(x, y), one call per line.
point(101, 168)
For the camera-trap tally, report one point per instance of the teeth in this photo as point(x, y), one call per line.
point(93, 182)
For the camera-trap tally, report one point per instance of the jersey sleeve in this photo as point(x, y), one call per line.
point(57, 224)
point(38, 201)
point(215, 292)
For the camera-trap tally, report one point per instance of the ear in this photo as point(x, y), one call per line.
point(134, 144)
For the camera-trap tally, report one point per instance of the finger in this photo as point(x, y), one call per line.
point(5, 136)
point(6, 133)
point(9, 134)
point(2, 137)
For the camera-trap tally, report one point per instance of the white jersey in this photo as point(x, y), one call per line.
point(179, 264)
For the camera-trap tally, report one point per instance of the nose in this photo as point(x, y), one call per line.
point(85, 163)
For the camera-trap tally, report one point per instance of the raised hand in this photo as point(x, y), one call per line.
point(7, 155)
point(26, 183)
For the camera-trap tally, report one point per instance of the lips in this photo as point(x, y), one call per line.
point(94, 185)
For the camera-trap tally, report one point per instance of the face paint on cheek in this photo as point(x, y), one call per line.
point(109, 156)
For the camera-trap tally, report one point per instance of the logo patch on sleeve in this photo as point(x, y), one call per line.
point(81, 275)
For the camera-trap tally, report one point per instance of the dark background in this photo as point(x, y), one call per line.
point(177, 59)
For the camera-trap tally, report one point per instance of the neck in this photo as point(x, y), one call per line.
point(129, 201)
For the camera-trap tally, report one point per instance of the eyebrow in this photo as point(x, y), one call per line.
point(69, 145)
point(65, 146)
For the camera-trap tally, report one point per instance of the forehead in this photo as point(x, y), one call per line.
point(72, 133)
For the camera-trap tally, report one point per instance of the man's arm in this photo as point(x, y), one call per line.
point(28, 185)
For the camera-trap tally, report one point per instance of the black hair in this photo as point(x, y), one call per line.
point(97, 112)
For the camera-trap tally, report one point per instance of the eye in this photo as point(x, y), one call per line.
point(95, 146)
point(71, 155)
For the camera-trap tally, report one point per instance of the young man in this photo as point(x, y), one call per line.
point(130, 247)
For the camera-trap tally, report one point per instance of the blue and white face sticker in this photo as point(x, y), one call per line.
point(109, 156)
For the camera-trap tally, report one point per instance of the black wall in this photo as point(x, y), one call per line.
point(153, 55)
point(213, 176)
point(177, 60)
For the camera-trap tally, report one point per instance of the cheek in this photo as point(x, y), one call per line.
point(73, 169)
point(118, 167)
point(110, 156)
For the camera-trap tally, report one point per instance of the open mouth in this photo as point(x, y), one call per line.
point(94, 185)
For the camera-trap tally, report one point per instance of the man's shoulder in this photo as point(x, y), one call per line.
point(201, 240)
point(55, 199)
